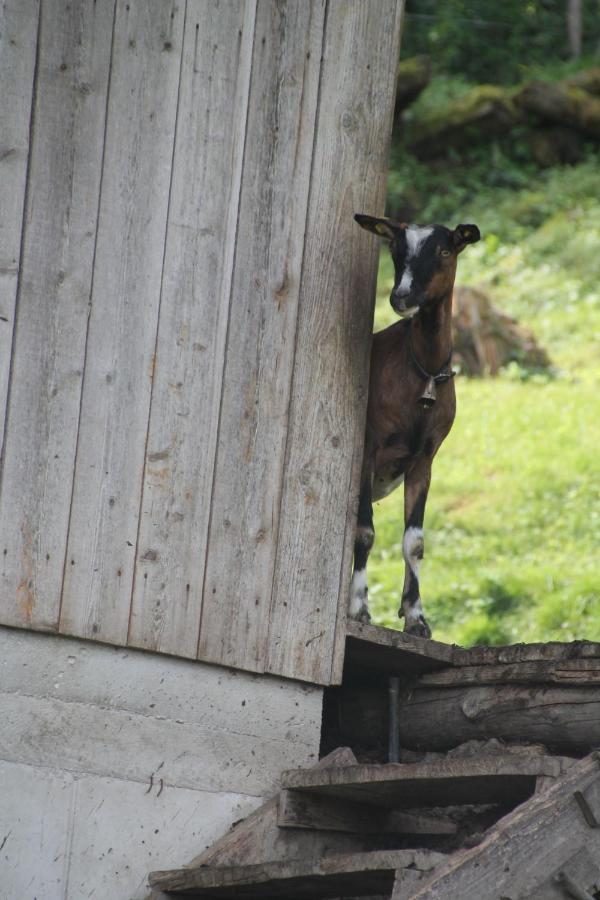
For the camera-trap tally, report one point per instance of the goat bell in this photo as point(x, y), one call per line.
point(428, 397)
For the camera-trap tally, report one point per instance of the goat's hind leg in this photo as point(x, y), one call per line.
point(365, 535)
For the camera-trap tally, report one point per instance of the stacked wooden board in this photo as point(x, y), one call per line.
point(500, 819)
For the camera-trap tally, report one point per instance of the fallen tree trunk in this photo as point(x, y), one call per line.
point(564, 719)
point(588, 80)
point(562, 105)
point(486, 111)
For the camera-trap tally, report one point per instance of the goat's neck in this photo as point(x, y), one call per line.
point(432, 334)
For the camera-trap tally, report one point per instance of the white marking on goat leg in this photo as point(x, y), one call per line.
point(413, 546)
point(412, 609)
point(359, 594)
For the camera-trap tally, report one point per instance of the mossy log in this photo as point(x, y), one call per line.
point(562, 105)
point(588, 80)
point(487, 110)
point(485, 339)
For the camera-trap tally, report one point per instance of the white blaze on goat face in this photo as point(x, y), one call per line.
point(415, 238)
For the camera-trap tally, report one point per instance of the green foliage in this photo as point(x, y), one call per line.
point(513, 518)
point(487, 41)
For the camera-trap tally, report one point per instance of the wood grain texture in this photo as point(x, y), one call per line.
point(54, 292)
point(565, 719)
point(393, 652)
point(201, 237)
point(18, 43)
point(568, 671)
point(506, 779)
point(259, 361)
point(326, 418)
point(257, 838)
point(301, 809)
point(360, 873)
point(526, 848)
point(123, 320)
point(514, 653)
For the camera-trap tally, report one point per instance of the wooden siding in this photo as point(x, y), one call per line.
point(182, 394)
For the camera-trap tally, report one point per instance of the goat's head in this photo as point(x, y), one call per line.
point(424, 259)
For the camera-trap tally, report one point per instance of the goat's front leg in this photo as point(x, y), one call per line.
point(416, 486)
point(365, 535)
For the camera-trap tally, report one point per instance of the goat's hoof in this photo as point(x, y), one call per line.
point(364, 616)
point(418, 628)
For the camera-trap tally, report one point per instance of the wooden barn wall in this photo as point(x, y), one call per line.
point(185, 303)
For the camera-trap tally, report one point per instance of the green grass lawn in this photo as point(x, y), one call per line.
point(512, 525)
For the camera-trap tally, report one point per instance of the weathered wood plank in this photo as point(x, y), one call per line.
point(359, 873)
point(565, 719)
point(301, 809)
point(258, 838)
point(393, 652)
point(201, 236)
point(18, 43)
point(123, 320)
point(262, 325)
point(325, 434)
point(568, 672)
point(54, 289)
point(525, 848)
point(506, 779)
point(515, 653)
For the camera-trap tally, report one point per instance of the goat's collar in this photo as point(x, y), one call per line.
point(440, 377)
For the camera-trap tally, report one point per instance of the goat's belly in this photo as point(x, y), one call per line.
point(387, 479)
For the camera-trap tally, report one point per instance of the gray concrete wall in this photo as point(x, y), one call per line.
point(114, 762)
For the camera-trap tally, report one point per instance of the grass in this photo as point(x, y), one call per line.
point(513, 519)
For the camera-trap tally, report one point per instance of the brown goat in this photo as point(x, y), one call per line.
point(412, 402)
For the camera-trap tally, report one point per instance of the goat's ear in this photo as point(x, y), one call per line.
point(465, 234)
point(382, 227)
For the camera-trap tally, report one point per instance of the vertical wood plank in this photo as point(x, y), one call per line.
point(122, 331)
point(215, 79)
point(331, 369)
point(18, 43)
point(262, 326)
point(54, 290)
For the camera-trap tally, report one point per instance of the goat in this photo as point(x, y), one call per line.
point(406, 423)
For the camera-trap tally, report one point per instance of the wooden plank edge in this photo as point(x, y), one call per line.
point(220, 876)
point(491, 765)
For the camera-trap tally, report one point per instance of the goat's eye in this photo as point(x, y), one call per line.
point(445, 252)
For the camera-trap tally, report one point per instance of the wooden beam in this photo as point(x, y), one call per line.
point(504, 778)
point(565, 719)
point(303, 809)
point(329, 876)
point(524, 854)
point(514, 653)
point(567, 671)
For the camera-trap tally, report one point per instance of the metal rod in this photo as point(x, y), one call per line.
point(394, 723)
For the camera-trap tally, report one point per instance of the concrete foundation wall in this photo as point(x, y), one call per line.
point(114, 762)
